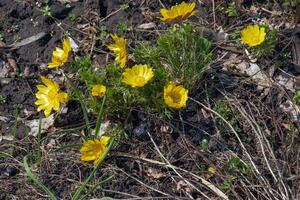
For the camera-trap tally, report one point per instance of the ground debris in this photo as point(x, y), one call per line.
point(46, 123)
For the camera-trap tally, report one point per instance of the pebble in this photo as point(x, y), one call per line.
point(10, 171)
point(140, 131)
point(12, 63)
point(2, 44)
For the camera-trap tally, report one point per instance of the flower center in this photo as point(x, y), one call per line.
point(175, 97)
point(140, 79)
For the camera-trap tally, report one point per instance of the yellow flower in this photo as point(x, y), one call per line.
point(60, 56)
point(138, 75)
point(178, 13)
point(49, 96)
point(175, 96)
point(119, 48)
point(253, 35)
point(94, 150)
point(98, 90)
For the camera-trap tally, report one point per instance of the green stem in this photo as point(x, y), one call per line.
point(36, 181)
point(85, 115)
point(95, 187)
point(99, 118)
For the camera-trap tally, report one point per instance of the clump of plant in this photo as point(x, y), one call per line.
point(260, 38)
point(223, 108)
point(158, 81)
point(296, 97)
point(236, 168)
point(231, 10)
point(125, 89)
point(182, 52)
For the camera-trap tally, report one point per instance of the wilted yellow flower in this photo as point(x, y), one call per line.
point(175, 96)
point(119, 48)
point(253, 35)
point(60, 56)
point(49, 96)
point(138, 75)
point(98, 90)
point(212, 170)
point(178, 13)
point(94, 150)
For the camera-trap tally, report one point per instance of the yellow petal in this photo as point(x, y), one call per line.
point(58, 53)
point(47, 112)
point(63, 97)
point(119, 49)
point(54, 64)
point(178, 12)
point(67, 45)
point(42, 88)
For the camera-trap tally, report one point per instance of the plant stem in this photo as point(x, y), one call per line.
point(99, 118)
point(36, 181)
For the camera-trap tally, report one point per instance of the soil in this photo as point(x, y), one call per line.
point(135, 164)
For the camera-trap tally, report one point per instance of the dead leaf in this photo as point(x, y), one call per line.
point(67, 1)
point(182, 185)
point(2, 44)
point(231, 62)
point(286, 81)
point(292, 109)
point(12, 63)
point(154, 173)
point(6, 137)
point(105, 127)
point(28, 40)
point(297, 83)
point(34, 125)
point(74, 46)
point(166, 129)
point(146, 26)
point(254, 71)
point(26, 71)
point(4, 119)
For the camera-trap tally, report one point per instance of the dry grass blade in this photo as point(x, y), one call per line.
point(142, 183)
point(268, 188)
point(166, 160)
point(206, 183)
point(262, 142)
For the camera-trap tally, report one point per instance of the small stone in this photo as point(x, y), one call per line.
point(12, 63)
point(142, 116)
point(141, 131)
point(2, 44)
point(26, 72)
point(11, 171)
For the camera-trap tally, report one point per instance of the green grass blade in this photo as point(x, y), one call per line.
point(95, 187)
point(36, 181)
point(99, 118)
point(85, 116)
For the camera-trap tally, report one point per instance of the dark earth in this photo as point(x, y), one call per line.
point(134, 166)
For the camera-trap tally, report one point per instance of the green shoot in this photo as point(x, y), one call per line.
point(36, 181)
